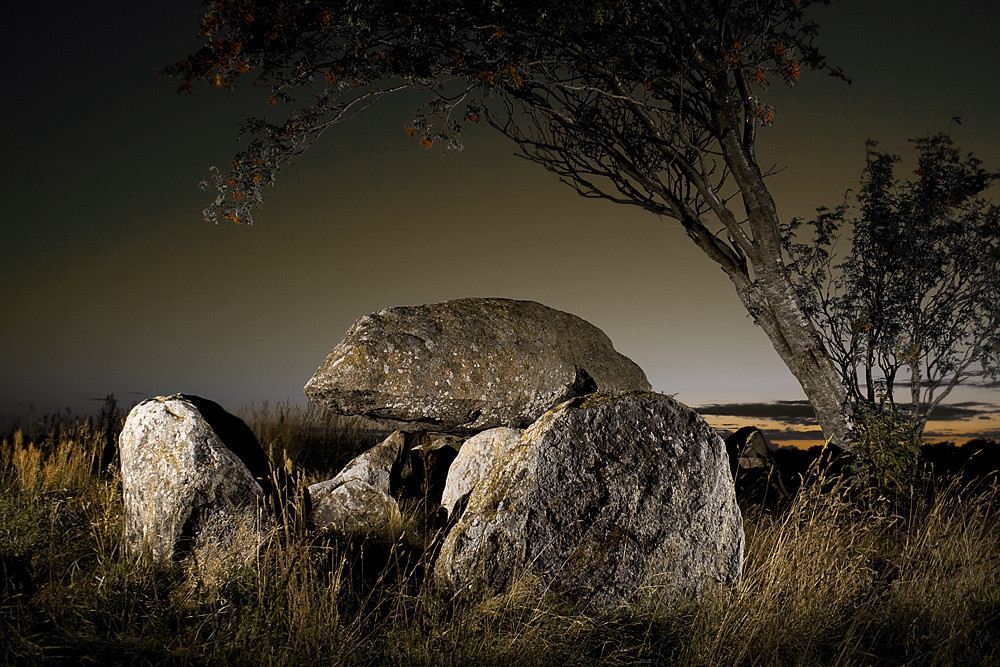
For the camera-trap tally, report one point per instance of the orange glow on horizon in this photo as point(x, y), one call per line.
point(805, 435)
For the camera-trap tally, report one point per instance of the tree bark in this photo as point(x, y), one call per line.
point(770, 297)
point(780, 313)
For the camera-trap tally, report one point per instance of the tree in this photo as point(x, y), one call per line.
point(651, 103)
point(915, 302)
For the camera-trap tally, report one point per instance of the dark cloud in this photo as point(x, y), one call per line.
point(986, 384)
point(794, 421)
point(801, 413)
point(784, 437)
point(964, 411)
point(789, 412)
point(934, 436)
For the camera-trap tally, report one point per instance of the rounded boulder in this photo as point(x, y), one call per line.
point(604, 499)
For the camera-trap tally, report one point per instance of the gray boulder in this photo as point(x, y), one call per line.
point(195, 480)
point(604, 499)
point(359, 499)
point(478, 454)
point(379, 467)
point(467, 365)
point(355, 508)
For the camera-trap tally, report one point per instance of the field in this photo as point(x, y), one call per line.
point(829, 581)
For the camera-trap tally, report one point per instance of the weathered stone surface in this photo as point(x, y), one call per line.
point(356, 508)
point(194, 478)
point(604, 498)
point(379, 467)
point(358, 500)
point(468, 365)
point(478, 454)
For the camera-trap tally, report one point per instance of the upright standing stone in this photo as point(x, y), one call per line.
point(477, 457)
point(355, 508)
point(194, 478)
point(604, 498)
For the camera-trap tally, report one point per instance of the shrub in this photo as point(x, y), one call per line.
point(887, 450)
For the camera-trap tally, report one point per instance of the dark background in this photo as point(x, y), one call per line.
point(111, 282)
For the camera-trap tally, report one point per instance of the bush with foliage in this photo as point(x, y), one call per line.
point(887, 451)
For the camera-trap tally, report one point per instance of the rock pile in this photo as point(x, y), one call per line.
point(554, 465)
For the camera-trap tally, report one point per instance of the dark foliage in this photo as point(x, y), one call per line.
point(975, 463)
point(621, 99)
point(914, 301)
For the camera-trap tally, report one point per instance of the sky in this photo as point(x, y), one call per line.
point(111, 282)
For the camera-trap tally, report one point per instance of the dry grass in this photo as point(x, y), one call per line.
point(828, 582)
point(831, 583)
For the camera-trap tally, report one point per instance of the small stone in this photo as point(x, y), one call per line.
point(355, 508)
point(758, 477)
point(379, 466)
point(358, 500)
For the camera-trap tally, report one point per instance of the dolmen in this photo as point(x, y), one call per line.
point(555, 467)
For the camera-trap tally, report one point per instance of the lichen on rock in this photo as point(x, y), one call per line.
point(604, 498)
point(468, 365)
point(194, 478)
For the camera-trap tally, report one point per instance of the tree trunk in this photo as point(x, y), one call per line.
point(768, 294)
point(783, 319)
point(773, 303)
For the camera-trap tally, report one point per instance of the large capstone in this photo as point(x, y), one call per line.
point(195, 479)
point(467, 365)
point(604, 499)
